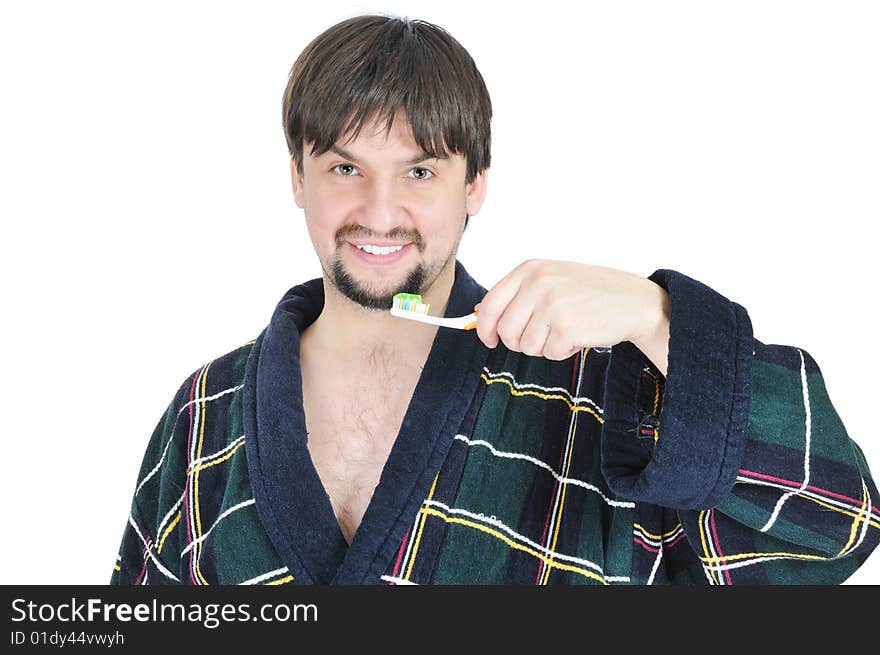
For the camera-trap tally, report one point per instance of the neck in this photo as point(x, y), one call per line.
point(349, 334)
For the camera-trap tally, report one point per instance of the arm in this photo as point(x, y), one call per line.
point(741, 439)
point(150, 549)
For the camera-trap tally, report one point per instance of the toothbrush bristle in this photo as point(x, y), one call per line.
point(410, 302)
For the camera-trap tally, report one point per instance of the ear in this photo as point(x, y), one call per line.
point(297, 184)
point(476, 193)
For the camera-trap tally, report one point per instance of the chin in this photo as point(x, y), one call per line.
point(369, 296)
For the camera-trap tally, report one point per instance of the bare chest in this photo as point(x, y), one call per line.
point(351, 430)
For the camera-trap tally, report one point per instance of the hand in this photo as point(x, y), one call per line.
point(553, 309)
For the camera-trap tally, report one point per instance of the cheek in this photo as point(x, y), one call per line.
point(322, 224)
point(323, 196)
point(441, 213)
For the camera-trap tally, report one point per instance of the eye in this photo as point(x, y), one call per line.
point(425, 170)
point(423, 173)
point(341, 165)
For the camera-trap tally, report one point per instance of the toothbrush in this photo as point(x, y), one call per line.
point(410, 305)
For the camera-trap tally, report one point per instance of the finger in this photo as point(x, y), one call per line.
point(534, 337)
point(515, 319)
point(492, 307)
point(559, 345)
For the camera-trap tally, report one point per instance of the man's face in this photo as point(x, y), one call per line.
point(379, 191)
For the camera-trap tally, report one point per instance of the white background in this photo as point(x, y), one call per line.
point(149, 225)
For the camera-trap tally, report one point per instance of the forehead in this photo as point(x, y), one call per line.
point(374, 136)
point(417, 157)
point(375, 140)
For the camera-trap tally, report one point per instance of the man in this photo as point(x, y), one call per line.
point(348, 446)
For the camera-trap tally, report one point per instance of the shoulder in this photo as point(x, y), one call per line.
point(220, 375)
point(206, 409)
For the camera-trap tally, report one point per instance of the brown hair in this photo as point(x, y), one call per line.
point(371, 65)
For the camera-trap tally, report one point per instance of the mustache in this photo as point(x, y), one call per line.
point(394, 235)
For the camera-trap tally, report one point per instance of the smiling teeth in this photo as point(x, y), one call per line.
point(380, 250)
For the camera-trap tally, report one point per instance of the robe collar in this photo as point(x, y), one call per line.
point(292, 503)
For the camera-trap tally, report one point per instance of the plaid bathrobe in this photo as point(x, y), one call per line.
point(511, 469)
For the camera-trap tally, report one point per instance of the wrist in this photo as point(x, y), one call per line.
point(653, 339)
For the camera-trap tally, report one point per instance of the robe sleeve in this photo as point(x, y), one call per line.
point(150, 549)
point(741, 440)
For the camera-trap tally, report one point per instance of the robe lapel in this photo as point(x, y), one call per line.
point(290, 498)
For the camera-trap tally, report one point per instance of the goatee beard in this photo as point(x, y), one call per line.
point(354, 291)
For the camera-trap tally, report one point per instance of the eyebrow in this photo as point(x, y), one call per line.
point(418, 159)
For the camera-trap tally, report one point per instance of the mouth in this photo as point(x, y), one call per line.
point(380, 256)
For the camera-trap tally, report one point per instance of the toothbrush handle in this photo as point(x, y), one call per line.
point(468, 322)
point(473, 324)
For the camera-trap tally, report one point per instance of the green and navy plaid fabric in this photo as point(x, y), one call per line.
point(545, 474)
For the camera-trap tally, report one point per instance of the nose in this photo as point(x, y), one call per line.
point(383, 206)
